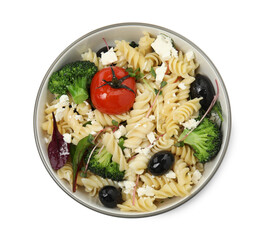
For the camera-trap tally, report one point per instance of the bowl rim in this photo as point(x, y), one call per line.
point(125, 214)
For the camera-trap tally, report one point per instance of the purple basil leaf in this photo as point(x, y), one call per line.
point(58, 149)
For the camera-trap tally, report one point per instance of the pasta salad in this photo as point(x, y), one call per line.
point(132, 124)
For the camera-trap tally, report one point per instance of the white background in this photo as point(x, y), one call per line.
point(231, 33)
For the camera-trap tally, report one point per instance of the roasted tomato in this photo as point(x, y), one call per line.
point(112, 90)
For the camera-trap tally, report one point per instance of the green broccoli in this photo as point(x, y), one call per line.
point(205, 140)
point(113, 172)
point(102, 165)
point(73, 78)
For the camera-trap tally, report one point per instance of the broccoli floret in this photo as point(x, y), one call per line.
point(205, 140)
point(113, 172)
point(73, 78)
point(102, 165)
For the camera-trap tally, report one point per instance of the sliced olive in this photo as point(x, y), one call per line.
point(160, 163)
point(202, 87)
point(110, 196)
point(103, 50)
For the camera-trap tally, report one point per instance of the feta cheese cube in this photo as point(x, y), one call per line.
point(78, 117)
point(127, 152)
point(151, 137)
point(196, 176)
point(160, 72)
point(163, 46)
point(189, 55)
point(171, 174)
point(127, 186)
point(121, 131)
point(182, 86)
point(67, 137)
point(192, 123)
point(147, 191)
point(152, 117)
point(108, 57)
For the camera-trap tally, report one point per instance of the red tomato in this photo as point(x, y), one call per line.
point(112, 91)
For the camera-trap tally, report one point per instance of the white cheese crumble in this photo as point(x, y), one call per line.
point(108, 57)
point(189, 55)
point(67, 137)
point(182, 86)
point(163, 46)
point(78, 117)
point(144, 151)
point(91, 115)
point(147, 191)
point(60, 107)
point(151, 137)
point(160, 72)
point(171, 174)
point(127, 186)
point(152, 117)
point(196, 176)
point(121, 131)
point(192, 123)
point(127, 152)
point(59, 113)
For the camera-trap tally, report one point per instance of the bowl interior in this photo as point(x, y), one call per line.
point(128, 32)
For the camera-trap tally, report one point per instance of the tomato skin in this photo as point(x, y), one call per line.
point(112, 100)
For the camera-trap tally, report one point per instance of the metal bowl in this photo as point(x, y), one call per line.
point(129, 32)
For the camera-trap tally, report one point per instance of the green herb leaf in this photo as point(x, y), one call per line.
point(153, 73)
point(179, 144)
point(121, 143)
point(136, 74)
point(86, 123)
point(115, 123)
point(163, 83)
point(72, 149)
point(130, 70)
point(81, 148)
point(156, 91)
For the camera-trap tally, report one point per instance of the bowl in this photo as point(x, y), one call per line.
point(129, 32)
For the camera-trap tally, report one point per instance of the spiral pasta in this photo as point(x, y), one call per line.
point(181, 66)
point(144, 204)
point(185, 111)
point(136, 135)
point(164, 143)
point(92, 57)
point(184, 90)
point(185, 153)
point(154, 58)
point(182, 172)
point(155, 182)
point(66, 173)
point(106, 119)
point(93, 183)
point(112, 147)
point(145, 43)
point(134, 58)
point(172, 189)
point(138, 164)
point(169, 94)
